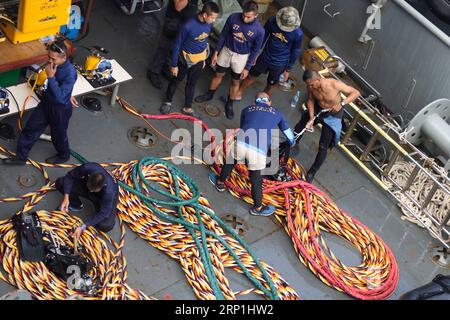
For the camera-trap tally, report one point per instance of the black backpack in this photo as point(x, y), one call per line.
point(29, 236)
point(69, 266)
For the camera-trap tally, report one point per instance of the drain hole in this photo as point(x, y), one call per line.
point(440, 256)
point(27, 181)
point(211, 110)
point(142, 137)
point(236, 223)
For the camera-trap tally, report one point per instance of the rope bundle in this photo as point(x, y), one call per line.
point(439, 205)
point(175, 226)
point(109, 266)
point(306, 212)
point(175, 238)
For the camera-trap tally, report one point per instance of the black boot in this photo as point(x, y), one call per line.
point(205, 97)
point(229, 112)
point(56, 160)
point(14, 161)
point(310, 175)
point(155, 79)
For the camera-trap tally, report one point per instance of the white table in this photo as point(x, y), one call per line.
point(81, 87)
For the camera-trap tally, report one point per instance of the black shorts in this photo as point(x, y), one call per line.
point(261, 66)
point(234, 75)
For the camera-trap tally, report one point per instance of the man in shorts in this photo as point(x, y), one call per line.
point(238, 47)
point(283, 40)
point(257, 123)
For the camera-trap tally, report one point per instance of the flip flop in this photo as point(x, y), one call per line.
point(192, 114)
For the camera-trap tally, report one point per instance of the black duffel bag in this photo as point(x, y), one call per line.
point(29, 236)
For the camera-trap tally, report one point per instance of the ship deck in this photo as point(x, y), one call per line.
point(103, 138)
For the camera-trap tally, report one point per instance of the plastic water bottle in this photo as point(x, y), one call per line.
point(295, 100)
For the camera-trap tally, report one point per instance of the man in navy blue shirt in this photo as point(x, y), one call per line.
point(282, 49)
point(189, 54)
point(55, 109)
point(238, 47)
point(253, 141)
point(93, 182)
point(178, 12)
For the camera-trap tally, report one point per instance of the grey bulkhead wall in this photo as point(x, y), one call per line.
point(404, 51)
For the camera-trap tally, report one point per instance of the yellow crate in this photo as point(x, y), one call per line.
point(39, 15)
point(16, 36)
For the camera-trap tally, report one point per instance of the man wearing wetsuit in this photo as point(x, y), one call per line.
point(253, 142)
point(324, 94)
point(189, 56)
point(238, 47)
point(93, 182)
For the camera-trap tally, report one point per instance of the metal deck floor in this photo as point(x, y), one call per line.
point(103, 138)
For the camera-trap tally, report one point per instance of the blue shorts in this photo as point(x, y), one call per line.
point(261, 66)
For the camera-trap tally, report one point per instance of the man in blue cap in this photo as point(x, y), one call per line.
point(257, 124)
point(54, 109)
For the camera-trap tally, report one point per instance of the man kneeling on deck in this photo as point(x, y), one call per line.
point(93, 182)
point(259, 119)
point(325, 106)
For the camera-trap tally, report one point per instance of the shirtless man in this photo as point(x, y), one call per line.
point(324, 94)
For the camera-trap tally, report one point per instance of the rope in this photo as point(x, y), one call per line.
point(174, 226)
point(439, 206)
point(109, 267)
point(204, 269)
point(305, 212)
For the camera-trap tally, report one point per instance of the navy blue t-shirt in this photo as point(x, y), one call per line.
point(283, 48)
point(242, 38)
point(107, 195)
point(257, 124)
point(192, 38)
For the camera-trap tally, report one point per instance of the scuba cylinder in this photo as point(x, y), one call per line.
point(4, 101)
point(439, 287)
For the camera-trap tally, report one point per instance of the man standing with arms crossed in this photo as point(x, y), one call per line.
point(237, 48)
point(189, 56)
point(55, 109)
point(283, 40)
point(324, 97)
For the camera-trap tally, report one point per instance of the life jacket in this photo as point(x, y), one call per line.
point(29, 236)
